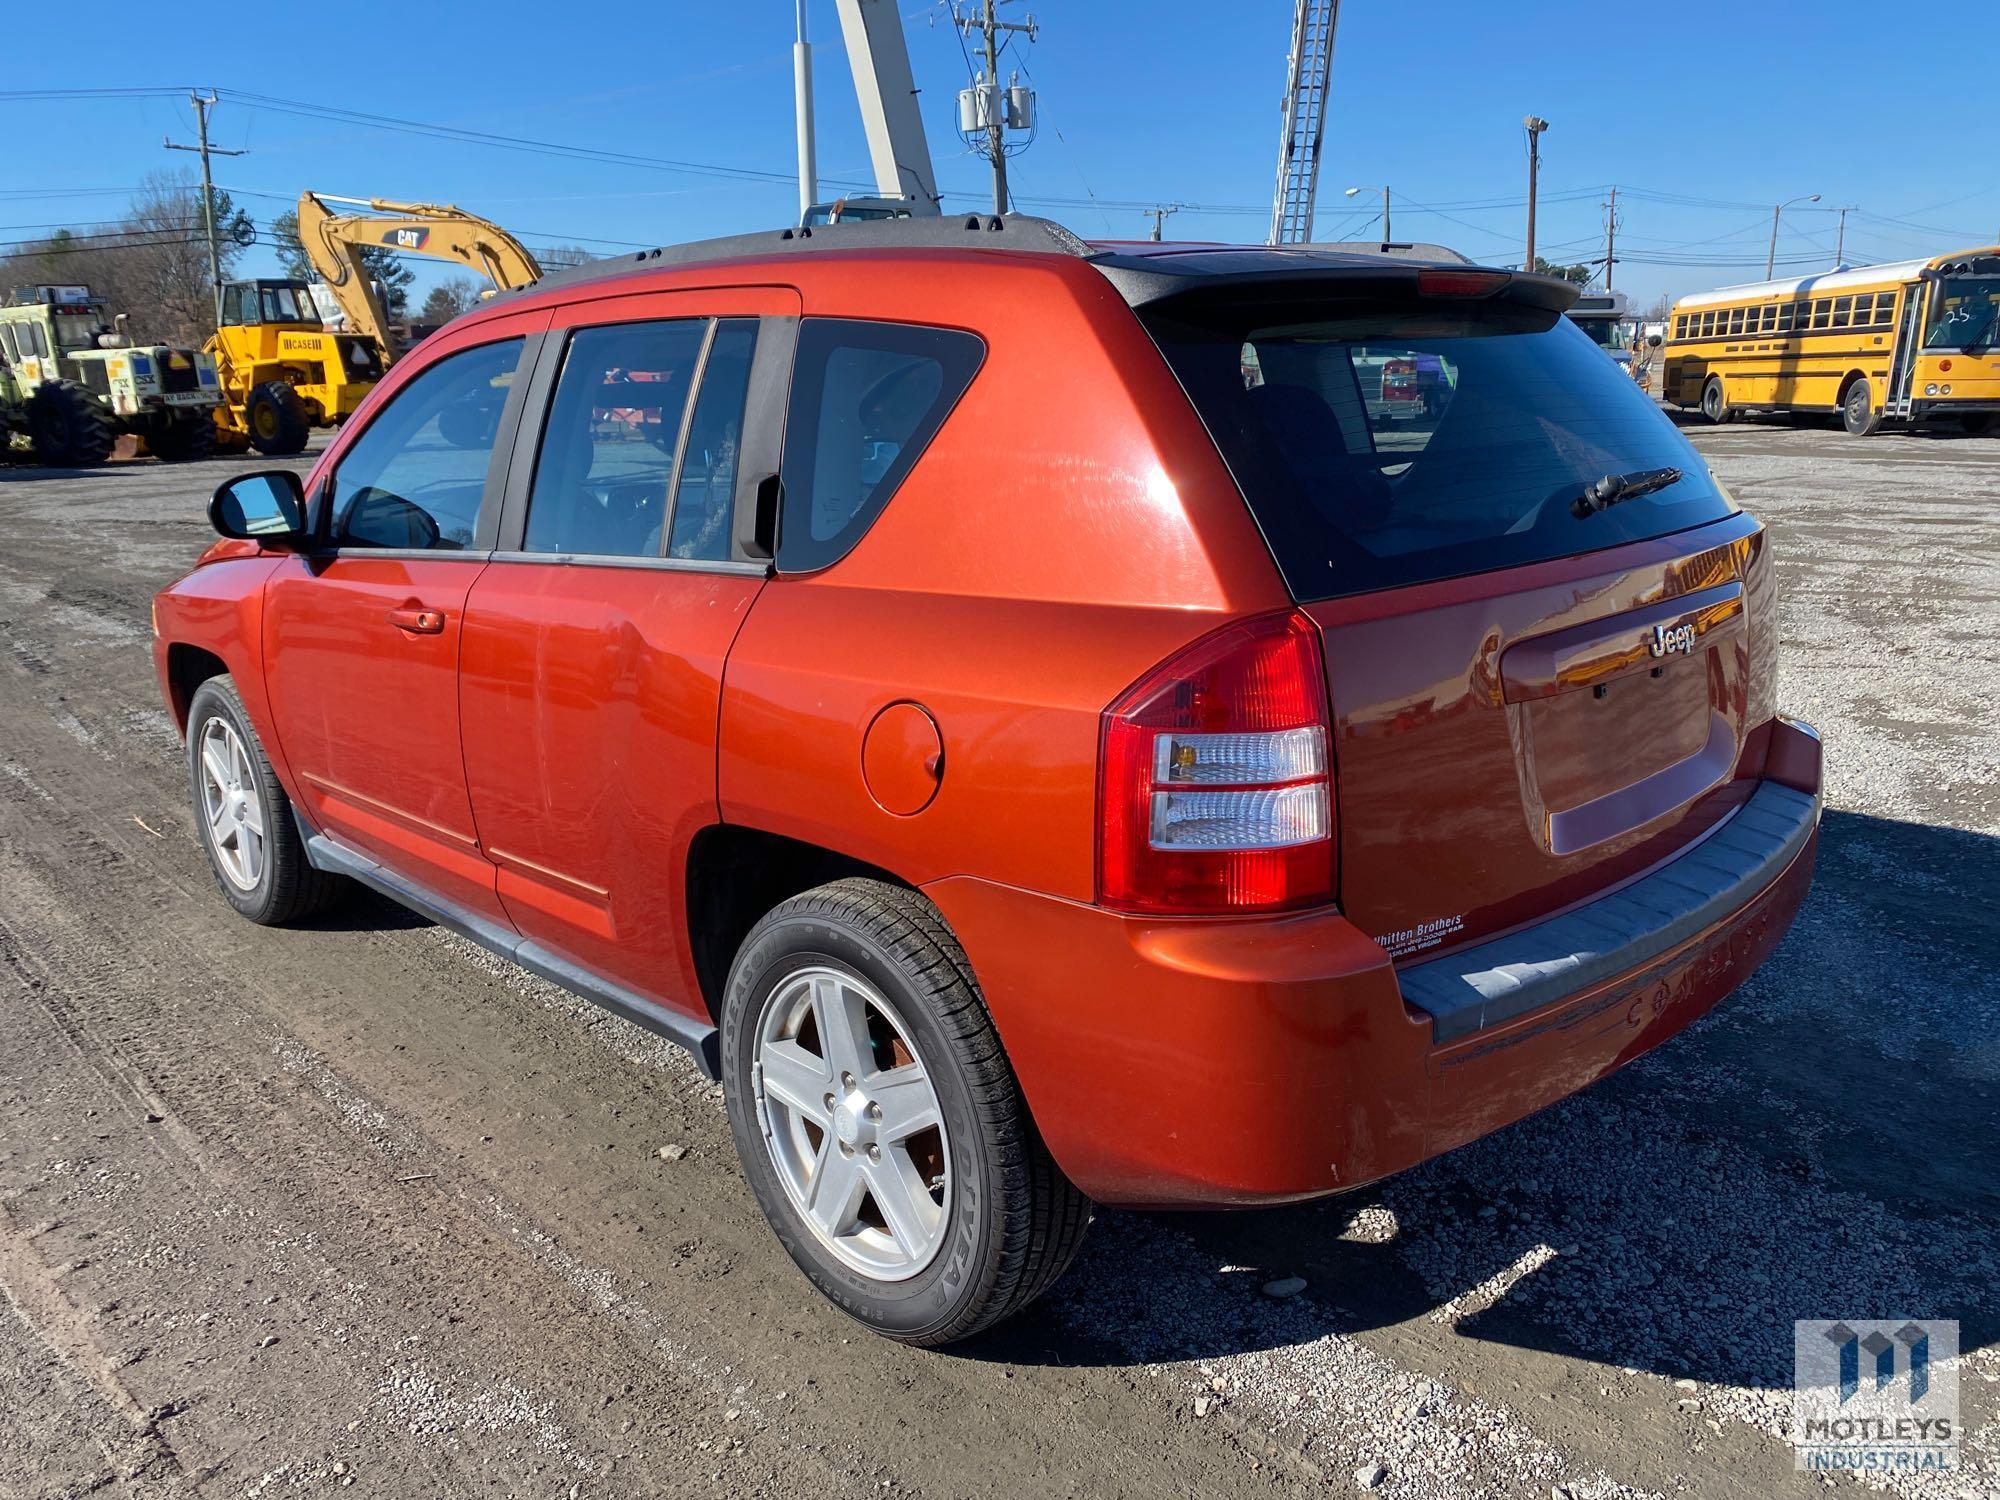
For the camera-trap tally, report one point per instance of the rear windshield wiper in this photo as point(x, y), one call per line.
point(1602, 494)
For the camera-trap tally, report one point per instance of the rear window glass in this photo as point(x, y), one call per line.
point(866, 399)
point(1381, 448)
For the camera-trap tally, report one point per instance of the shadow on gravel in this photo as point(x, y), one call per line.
point(1823, 1145)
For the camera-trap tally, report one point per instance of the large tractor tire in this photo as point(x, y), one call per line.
point(184, 439)
point(276, 419)
point(69, 427)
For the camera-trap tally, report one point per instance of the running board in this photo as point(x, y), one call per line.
point(701, 1040)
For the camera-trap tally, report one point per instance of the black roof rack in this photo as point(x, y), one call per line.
point(1019, 232)
point(1142, 272)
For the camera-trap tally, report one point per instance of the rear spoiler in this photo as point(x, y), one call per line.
point(1253, 277)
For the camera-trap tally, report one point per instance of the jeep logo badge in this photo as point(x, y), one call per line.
point(1669, 639)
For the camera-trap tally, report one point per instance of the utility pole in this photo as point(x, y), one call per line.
point(802, 105)
point(1771, 259)
point(1840, 236)
point(1610, 237)
point(990, 26)
point(202, 105)
point(1159, 216)
point(1534, 125)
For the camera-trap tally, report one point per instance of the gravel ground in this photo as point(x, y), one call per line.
point(359, 1209)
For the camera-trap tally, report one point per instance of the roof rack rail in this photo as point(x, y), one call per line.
point(1020, 232)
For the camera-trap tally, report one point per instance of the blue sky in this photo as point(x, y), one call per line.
point(1703, 115)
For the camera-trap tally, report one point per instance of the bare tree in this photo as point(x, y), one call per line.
point(151, 264)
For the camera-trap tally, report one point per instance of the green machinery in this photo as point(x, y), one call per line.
point(76, 382)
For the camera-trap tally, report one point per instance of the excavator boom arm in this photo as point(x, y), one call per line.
point(334, 241)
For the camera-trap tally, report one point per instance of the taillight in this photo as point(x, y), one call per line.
point(1217, 788)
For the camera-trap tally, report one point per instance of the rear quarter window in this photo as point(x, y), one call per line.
point(1379, 447)
point(867, 398)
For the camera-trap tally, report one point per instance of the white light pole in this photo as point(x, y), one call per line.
point(802, 92)
point(1771, 260)
point(1386, 236)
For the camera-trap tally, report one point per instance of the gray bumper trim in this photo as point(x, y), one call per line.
point(1523, 971)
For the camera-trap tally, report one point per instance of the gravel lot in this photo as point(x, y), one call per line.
point(358, 1209)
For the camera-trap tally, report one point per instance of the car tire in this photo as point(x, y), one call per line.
point(1714, 402)
point(276, 420)
point(997, 1221)
point(1857, 410)
point(243, 817)
point(69, 427)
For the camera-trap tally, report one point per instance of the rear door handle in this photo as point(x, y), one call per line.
point(418, 621)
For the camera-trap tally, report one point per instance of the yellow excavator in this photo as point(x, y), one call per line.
point(283, 372)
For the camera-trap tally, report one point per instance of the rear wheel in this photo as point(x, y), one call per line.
point(276, 419)
point(1979, 423)
point(184, 439)
point(1857, 410)
point(1714, 403)
point(69, 427)
point(243, 815)
point(879, 1122)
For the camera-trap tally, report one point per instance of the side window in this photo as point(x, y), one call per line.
point(866, 400)
point(34, 331)
point(1821, 307)
point(705, 498)
point(607, 460)
point(1842, 307)
point(1785, 318)
point(415, 477)
point(7, 341)
point(1735, 320)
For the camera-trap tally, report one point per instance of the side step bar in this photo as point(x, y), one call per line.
point(699, 1038)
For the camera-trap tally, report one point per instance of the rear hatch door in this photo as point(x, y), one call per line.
point(1533, 700)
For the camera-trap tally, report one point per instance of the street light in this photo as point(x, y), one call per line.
point(1386, 236)
point(1534, 125)
point(1771, 260)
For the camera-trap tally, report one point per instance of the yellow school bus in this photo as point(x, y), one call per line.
point(1916, 342)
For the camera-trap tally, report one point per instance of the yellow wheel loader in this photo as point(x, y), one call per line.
point(283, 372)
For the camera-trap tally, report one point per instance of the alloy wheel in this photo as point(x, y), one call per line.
point(231, 805)
point(852, 1122)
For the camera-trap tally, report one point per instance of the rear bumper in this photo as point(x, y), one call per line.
point(1204, 1063)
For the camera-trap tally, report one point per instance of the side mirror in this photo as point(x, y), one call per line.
point(1653, 341)
point(268, 506)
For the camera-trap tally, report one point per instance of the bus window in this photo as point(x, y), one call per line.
point(1785, 318)
point(1842, 308)
point(1708, 325)
point(1820, 309)
point(1769, 318)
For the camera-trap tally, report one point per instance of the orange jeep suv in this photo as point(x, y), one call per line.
point(1041, 722)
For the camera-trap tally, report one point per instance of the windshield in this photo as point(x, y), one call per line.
point(1413, 443)
point(1606, 333)
point(1964, 310)
point(287, 304)
point(77, 330)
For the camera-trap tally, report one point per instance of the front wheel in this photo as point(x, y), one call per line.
point(276, 420)
point(879, 1122)
point(1857, 410)
point(69, 427)
point(243, 815)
